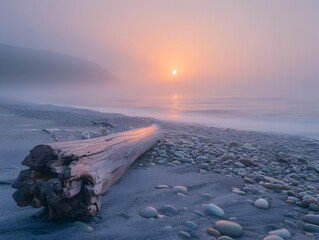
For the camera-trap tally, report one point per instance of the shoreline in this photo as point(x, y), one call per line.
point(227, 167)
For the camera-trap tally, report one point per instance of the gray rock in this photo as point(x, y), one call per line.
point(184, 234)
point(204, 166)
point(282, 232)
point(228, 228)
point(191, 225)
point(201, 159)
point(311, 227)
point(168, 228)
point(225, 238)
point(248, 146)
point(199, 213)
point(273, 186)
point(177, 162)
point(312, 218)
point(261, 203)
point(273, 237)
point(180, 189)
point(168, 210)
point(149, 212)
point(162, 186)
point(214, 210)
point(313, 207)
point(213, 232)
point(207, 195)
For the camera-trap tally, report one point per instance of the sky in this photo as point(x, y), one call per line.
point(220, 48)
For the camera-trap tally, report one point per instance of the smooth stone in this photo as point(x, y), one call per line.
point(225, 238)
point(311, 227)
point(273, 186)
point(238, 191)
point(168, 210)
point(184, 234)
point(204, 166)
point(191, 225)
point(312, 218)
point(181, 194)
point(191, 233)
point(161, 186)
point(83, 227)
point(199, 213)
point(273, 237)
point(228, 228)
point(282, 232)
point(168, 228)
point(213, 232)
point(261, 203)
point(149, 212)
point(177, 162)
point(207, 195)
point(248, 146)
point(180, 189)
point(313, 207)
point(291, 224)
point(215, 210)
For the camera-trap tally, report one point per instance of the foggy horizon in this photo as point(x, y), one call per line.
point(219, 49)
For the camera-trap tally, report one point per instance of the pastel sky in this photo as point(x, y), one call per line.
point(218, 48)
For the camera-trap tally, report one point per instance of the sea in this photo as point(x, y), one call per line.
point(278, 115)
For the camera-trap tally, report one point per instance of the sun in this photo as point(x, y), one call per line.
point(174, 72)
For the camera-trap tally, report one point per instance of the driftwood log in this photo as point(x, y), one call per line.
point(68, 178)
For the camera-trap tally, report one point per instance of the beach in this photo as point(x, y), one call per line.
point(260, 181)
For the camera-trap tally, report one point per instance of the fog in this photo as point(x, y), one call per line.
point(218, 48)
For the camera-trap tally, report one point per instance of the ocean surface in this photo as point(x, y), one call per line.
point(292, 116)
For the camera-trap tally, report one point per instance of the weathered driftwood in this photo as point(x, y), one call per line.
point(68, 178)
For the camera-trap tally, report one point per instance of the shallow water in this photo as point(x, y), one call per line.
point(292, 116)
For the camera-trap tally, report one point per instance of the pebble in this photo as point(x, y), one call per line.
point(85, 135)
point(168, 228)
point(238, 191)
point(161, 186)
point(311, 227)
point(191, 225)
point(273, 186)
point(168, 210)
point(215, 210)
point(204, 166)
point(207, 195)
point(199, 213)
point(201, 159)
point(313, 207)
point(213, 232)
point(184, 234)
point(312, 218)
point(282, 232)
point(225, 238)
point(248, 146)
point(149, 212)
point(177, 162)
point(181, 194)
point(261, 203)
point(228, 228)
point(180, 189)
point(273, 237)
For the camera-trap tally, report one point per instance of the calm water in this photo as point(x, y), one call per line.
point(291, 116)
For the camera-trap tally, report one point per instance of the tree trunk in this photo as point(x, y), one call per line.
point(68, 178)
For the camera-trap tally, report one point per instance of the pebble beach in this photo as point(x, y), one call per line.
point(198, 182)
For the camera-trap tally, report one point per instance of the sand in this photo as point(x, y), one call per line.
point(206, 160)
